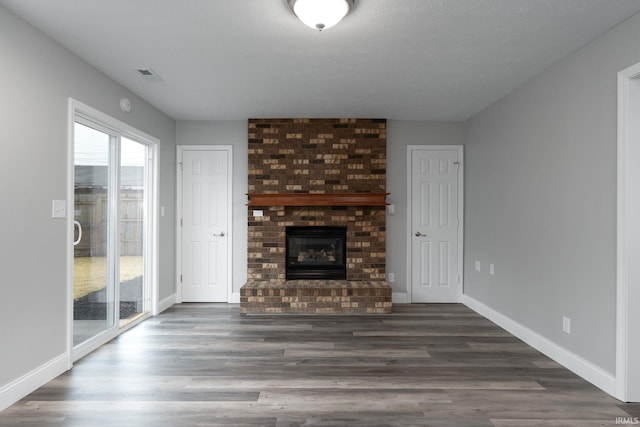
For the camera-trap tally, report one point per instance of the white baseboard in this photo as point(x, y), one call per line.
point(19, 388)
point(166, 303)
point(585, 369)
point(400, 298)
point(171, 300)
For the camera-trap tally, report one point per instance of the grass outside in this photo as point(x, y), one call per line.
point(90, 273)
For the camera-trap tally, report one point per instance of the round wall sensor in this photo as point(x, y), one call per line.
point(125, 105)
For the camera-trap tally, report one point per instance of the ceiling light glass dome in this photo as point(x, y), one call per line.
point(321, 14)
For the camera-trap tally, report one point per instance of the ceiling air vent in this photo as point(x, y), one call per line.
point(149, 75)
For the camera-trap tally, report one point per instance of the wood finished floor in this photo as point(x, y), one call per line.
point(425, 365)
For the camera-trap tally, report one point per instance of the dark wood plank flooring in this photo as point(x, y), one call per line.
point(425, 365)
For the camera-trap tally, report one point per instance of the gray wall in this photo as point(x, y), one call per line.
point(401, 134)
point(36, 78)
point(541, 199)
point(234, 133)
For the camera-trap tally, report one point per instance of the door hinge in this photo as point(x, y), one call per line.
point(180, 222)
point(181, 278)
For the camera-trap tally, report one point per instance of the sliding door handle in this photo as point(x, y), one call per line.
point(77, 223)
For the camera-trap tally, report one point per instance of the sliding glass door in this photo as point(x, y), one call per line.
point(133, 211)
point(111, 254)
point(93, 285)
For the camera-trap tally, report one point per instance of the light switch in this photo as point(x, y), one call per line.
point(477, 265)
point(391, 209)
point(491, 269)
point(59, 209)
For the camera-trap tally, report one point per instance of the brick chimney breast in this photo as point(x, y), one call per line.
point(317, 156)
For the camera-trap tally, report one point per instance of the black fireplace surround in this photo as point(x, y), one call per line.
point(316, 253)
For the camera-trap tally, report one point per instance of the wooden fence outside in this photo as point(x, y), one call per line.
point(91, 207)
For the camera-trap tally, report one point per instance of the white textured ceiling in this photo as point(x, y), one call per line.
point(402, 59)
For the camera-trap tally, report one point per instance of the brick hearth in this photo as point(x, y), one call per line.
point(316, 297)
point(303, 156)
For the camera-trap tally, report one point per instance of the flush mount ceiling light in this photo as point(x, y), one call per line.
point(321, 14)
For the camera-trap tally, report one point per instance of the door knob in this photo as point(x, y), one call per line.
point(219, 235)
point(418, 234)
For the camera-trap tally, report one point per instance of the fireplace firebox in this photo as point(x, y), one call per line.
point(316, 253)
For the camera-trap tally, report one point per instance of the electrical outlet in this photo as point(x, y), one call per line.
point(491, 269)
point(392, 277)
point(477, 265)
point(566, 325)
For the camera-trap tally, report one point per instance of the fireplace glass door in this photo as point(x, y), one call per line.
point(316, 253)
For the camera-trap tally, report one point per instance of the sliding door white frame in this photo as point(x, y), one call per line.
point(78, 110)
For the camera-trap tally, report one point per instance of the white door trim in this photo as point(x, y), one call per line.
point(460, 150)
point(179, 151)
point(628, 204)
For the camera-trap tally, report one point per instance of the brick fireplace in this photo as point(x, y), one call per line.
point(320, 173)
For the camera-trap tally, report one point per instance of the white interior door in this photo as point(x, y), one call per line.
point(205, 225)
point(436, 223)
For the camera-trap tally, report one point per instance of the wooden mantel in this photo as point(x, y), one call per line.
point(318, 199)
